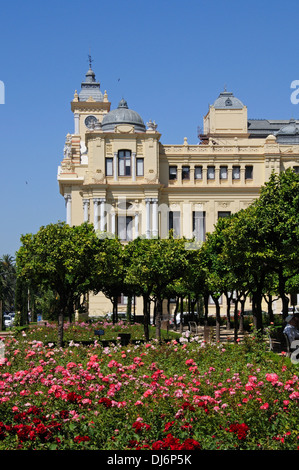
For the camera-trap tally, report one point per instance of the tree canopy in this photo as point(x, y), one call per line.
point(62, 258)
point(253, 252)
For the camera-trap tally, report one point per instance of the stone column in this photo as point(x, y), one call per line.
point(242, 175)
point(186, 215)
point(155, 218)
point(148, 218)
point(133, 166)
point(76, 123)
point(179, 175)
point(115, 172)
point(96, 213)
point(136, 224)
point(113, 222)
point(68, 205)
point(85, 209)
point(102, 214)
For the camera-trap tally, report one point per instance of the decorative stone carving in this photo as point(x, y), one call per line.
point(76, 96)
point(151, 126)
point(67, 147)
point(151, 176)
point(67, 166)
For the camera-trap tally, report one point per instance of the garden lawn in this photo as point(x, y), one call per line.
point(181, 394)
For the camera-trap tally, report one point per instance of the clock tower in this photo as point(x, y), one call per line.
point(89, 106)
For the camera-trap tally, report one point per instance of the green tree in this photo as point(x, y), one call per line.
point(154, 265)
point(277, 213)
point(62, 258)
point(8, 282)
point(110, 270)
point(215, 269)
point(21, 302)
point(244, 254)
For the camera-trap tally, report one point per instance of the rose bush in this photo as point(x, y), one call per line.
point(181, 394)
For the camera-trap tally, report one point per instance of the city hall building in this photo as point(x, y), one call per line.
point(116, 174)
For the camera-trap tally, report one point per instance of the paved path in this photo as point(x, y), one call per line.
point(4, 334)
point(226, 335)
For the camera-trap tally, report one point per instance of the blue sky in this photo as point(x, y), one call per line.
point(169, 59)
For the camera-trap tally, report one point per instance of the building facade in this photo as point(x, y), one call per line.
point(116, 174)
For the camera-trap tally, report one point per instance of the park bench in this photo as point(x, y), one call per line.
point(193, 327)
point(279, 342)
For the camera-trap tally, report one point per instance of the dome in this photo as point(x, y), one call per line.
point(122, 115)
point(90, 88)
point(226, 100)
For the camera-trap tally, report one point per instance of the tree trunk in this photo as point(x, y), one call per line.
point(175, 312)
point(257, 312)
point(114, 314)
point(158, 318)
point(182, 315)
point(228, 302)
point(218, 318)
point(241, 326)
point(270, 307)
point(235, 319)
point(60, 328)
point(155, 311)
point(206, 308)
point(193, 303)
point(146, 317)
point(282, 293)
point(199, 309)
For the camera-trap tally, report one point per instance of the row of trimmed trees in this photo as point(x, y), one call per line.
point(255, 253)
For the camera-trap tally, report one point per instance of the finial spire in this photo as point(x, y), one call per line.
point(90, 60)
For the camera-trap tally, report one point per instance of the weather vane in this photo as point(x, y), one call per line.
point(90, 60)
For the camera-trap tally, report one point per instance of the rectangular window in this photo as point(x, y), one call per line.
point(199, 226)
point(124, 163)
point(186, 172)
point(236, 173)
point(109, 166)
point(248, 172)
point(223, 172)
point(122, 299)
point(124, 227)
point(198, 172)
point(211, 173)
point(296, 169)
point(139, 167)
point(174, 223)
point(172, 172)
point(223, 214)
point(211, 301)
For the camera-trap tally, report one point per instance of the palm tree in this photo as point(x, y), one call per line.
point(7, 282)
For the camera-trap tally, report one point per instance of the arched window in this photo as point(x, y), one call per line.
point(124, 163)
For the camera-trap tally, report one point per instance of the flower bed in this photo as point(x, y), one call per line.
point(84, 332)
point(174, 396)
